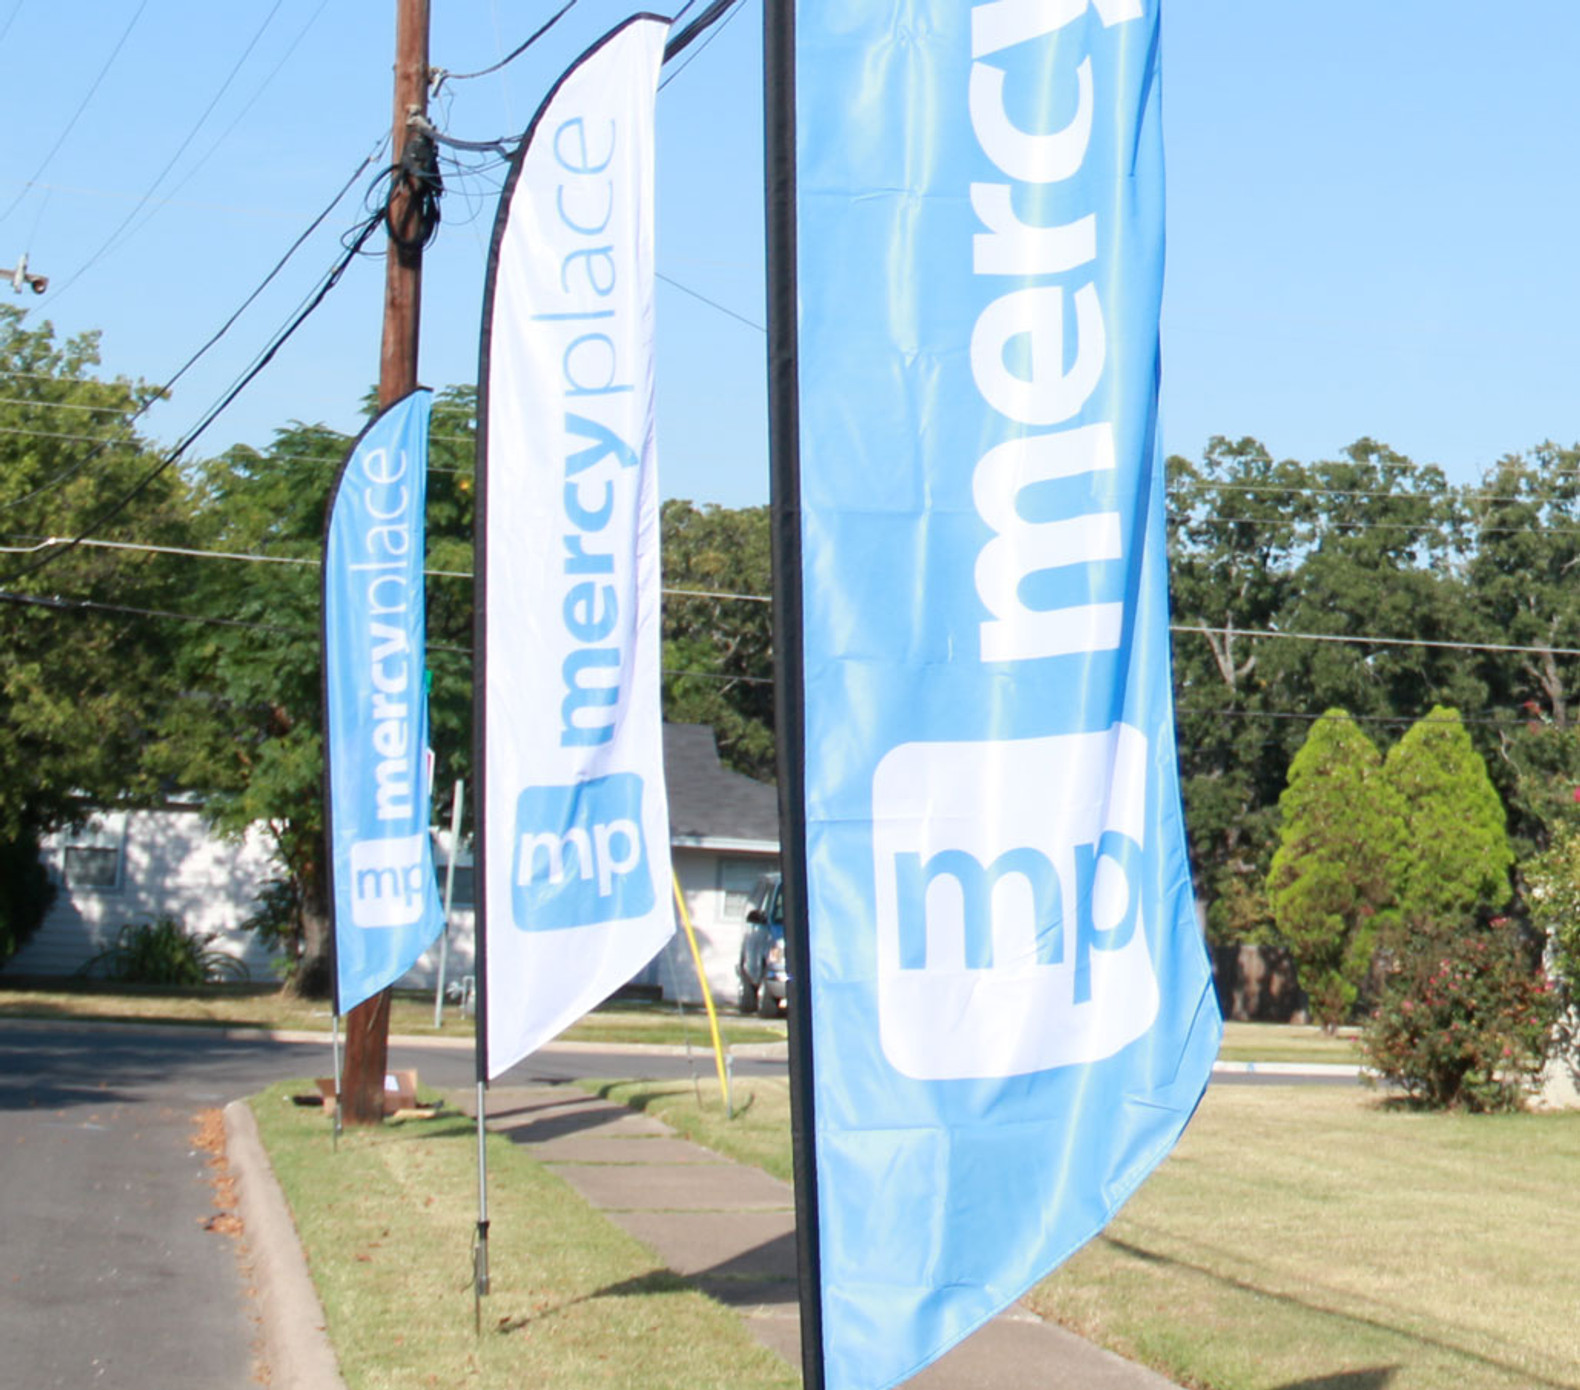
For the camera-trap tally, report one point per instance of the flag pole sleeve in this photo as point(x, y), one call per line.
point(779, 128)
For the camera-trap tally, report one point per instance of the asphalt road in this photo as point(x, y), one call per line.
point(109, 1275)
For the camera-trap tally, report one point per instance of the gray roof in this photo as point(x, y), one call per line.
point(706, 800)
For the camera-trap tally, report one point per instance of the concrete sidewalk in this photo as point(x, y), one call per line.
point(730, 1229)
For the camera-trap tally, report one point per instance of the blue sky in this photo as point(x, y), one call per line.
point(1369, 214)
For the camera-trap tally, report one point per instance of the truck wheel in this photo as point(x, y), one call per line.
point(767, 1005)
point(746, 999)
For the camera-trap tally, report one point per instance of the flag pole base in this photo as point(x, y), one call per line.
point(479, 1275)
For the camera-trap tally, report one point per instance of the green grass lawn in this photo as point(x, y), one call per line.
point(386, 1223)
point(411, 1015)
point(1288, 1042)
point(1300, 1238)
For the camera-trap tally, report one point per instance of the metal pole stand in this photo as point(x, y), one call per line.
point(480, 1239)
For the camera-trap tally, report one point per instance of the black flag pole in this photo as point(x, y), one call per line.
point(779, 125)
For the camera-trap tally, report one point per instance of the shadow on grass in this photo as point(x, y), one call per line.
point(1338, 1380)
point(655, 1281)
point(561, 1117)
point(640, 1100)
point(1377, 1378)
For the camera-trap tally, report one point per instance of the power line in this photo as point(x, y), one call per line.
point(440, 76)
point(708, 17)
point(163, 391)
point(259, 363)
point(1311, 489)
point(55, 434)
point(60, 604)
point(1183, 629)
point(1182, 712)
point(73, 604)
point(84, 605)
point(711, 303)
point(674, 48)
point(181, 149)
point(188, 552)
point(1314, 526)
point(1332, 527)
point(326, 459)
point(1378, 641)
point(82, 106)
point(676, 45)
point(60, 405)
point(241, 115)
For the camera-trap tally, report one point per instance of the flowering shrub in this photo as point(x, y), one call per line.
point(1463, 1020)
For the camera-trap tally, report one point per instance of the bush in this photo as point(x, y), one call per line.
point(25, 893)
point(163, 953)
point(1463, 1020)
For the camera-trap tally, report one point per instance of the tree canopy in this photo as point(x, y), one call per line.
point(83, 671)
point(127, 675)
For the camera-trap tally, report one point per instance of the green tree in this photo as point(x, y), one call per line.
point(1381, 556)
point(1235, 519)
point(1457, 856)
point(1526, 526)
point(1368, 543)
point(84, 671)
point(718, 645)
point(248, 732)
point(1332, 880)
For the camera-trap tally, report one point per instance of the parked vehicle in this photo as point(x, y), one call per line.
point(761, 967)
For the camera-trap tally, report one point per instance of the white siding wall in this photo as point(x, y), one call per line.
point(715, 886)
point(460, 955)
point(170, 864)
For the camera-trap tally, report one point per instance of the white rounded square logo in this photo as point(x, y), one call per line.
point(389, 879)
point(1010, 933)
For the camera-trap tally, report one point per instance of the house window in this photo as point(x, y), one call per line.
point(737, 878)
point(93, 856)
point(87, 866)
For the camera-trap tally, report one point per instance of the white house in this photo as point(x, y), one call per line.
point(724, 834)
point(126, 867)
point(135, 866)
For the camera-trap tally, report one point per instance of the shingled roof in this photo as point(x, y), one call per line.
point(708, 802)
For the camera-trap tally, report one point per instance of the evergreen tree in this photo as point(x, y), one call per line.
point(1456, 856)
point(1331, 885)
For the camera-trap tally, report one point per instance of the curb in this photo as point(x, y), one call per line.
point(1311, 1069)
point(296, 1347)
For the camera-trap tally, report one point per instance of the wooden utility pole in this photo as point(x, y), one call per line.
point(368, 1025)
